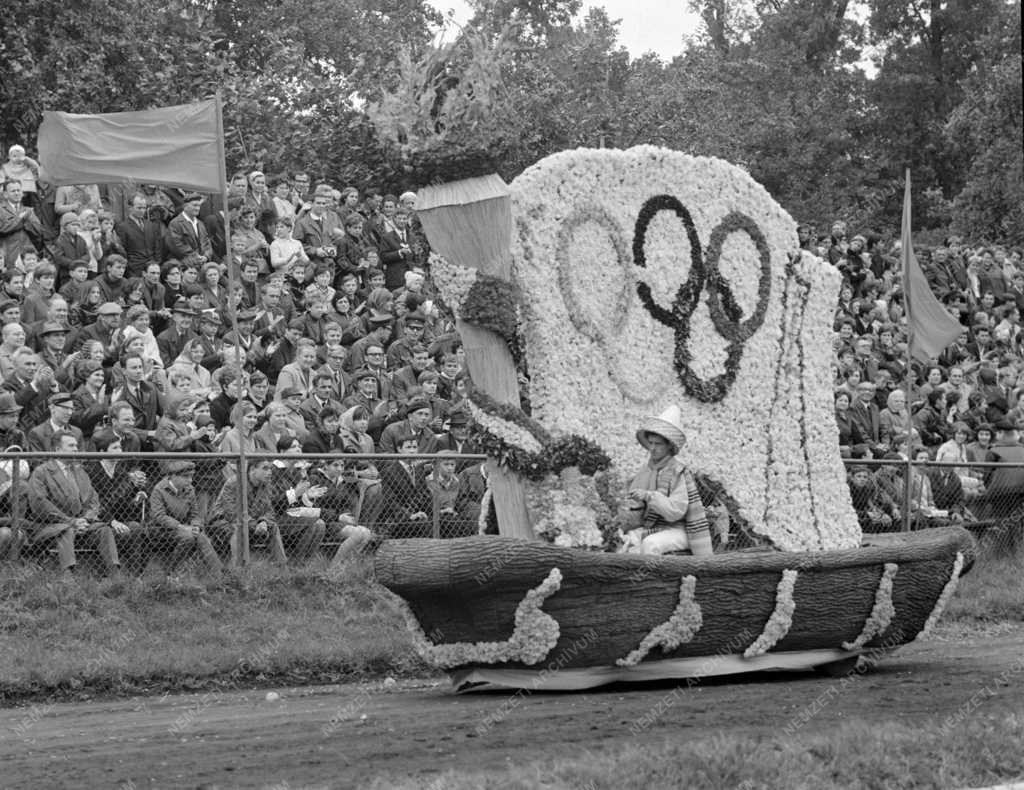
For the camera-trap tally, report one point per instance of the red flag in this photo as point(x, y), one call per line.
point(930, 326)
point(177, 146)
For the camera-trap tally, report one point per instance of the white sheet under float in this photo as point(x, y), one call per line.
point(575, 679)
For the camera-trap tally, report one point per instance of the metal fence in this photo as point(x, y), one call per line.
point(202, 511)
point(189, 510)
point(985, 498)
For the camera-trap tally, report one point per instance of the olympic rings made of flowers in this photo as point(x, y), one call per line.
point(727, 320)
point(725, 312)
point(585, 324)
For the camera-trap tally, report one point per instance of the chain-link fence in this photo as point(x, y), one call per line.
point(114, 509)
point(985, 498)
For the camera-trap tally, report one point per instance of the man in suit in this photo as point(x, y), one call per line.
point(317, 229)
point(321, 398)
point(143, 397)
point(62, 406)
point(31, 384)
point(395, 250)
point(143, 238)
point(20, 228)
point(65, 508)
point(172, 341)
point(298, 374)
point(405, 380)
point(68, 247)
point(187, 237)
point(103, 329)
point(865, 414)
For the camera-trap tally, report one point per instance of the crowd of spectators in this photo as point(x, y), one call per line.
point(965, 406)
point(121, 334)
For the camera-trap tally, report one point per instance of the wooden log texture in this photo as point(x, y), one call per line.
point(468, 590)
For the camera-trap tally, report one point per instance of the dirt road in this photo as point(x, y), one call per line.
point(341, 736)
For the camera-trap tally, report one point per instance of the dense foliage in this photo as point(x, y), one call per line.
point(824, 101)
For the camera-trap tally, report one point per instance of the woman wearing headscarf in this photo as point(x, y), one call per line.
point(664, 511)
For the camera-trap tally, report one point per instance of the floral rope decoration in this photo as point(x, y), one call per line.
point(533, 637)
point(882, 612)
point(506, 430)
point(681, 627)
point(947, 593)
point(781, 619)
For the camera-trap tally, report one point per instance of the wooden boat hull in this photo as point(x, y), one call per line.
point(472, 600)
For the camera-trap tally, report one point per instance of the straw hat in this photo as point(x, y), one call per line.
point(668, 424)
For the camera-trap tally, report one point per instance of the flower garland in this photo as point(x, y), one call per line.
point(685, 622)
point(947, 593)
point(534, 635)
point(748, 363)
point(781, 619)
point(882, 612)
point(453, 281)
point(490, 304)
point(507, 431)
point(485, 509)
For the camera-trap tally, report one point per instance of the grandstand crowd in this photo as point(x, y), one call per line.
point(964, 407)
point(120, 334)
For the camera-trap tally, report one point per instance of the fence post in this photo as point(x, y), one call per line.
point(240, 545)
point(15, 554)
point(435, 511)
point(906, 494)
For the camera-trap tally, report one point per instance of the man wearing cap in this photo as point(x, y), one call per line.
point(456, 438)
point(54, 339)
point(175, 517)
point(367, 392)
point(65, 508)
point(209, 331)
point(68, 247)
point(378, 335)
point(187, 237)
point(664, 511)
point(172, 341)
point(10, 434)
point(103, 329)
point(401, 351)
point(416, 423)
point(251, 349)
point(62, 405)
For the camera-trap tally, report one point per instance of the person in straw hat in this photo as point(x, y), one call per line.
point(664, 511)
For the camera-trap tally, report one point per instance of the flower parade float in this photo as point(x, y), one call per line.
point(634, 282)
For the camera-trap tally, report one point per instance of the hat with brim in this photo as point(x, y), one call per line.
point(8, 405)
point(180, 467)
point(668, 425)
point(210, 316)
point(379, 318)
point(417, 405)
point(53, 328)
point(109, 308)
point(61, 399)
point(364, 373)
point(291, 392)
point(182, 307)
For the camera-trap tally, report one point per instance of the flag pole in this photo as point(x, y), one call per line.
point(240, 546)
point(905, 240)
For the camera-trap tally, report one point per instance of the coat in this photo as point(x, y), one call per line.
point(186, 243)
point(142, 244)
point(54, 501)
point(39, 438)
point(17, 232)
point(147, 404)
point(170, 508)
